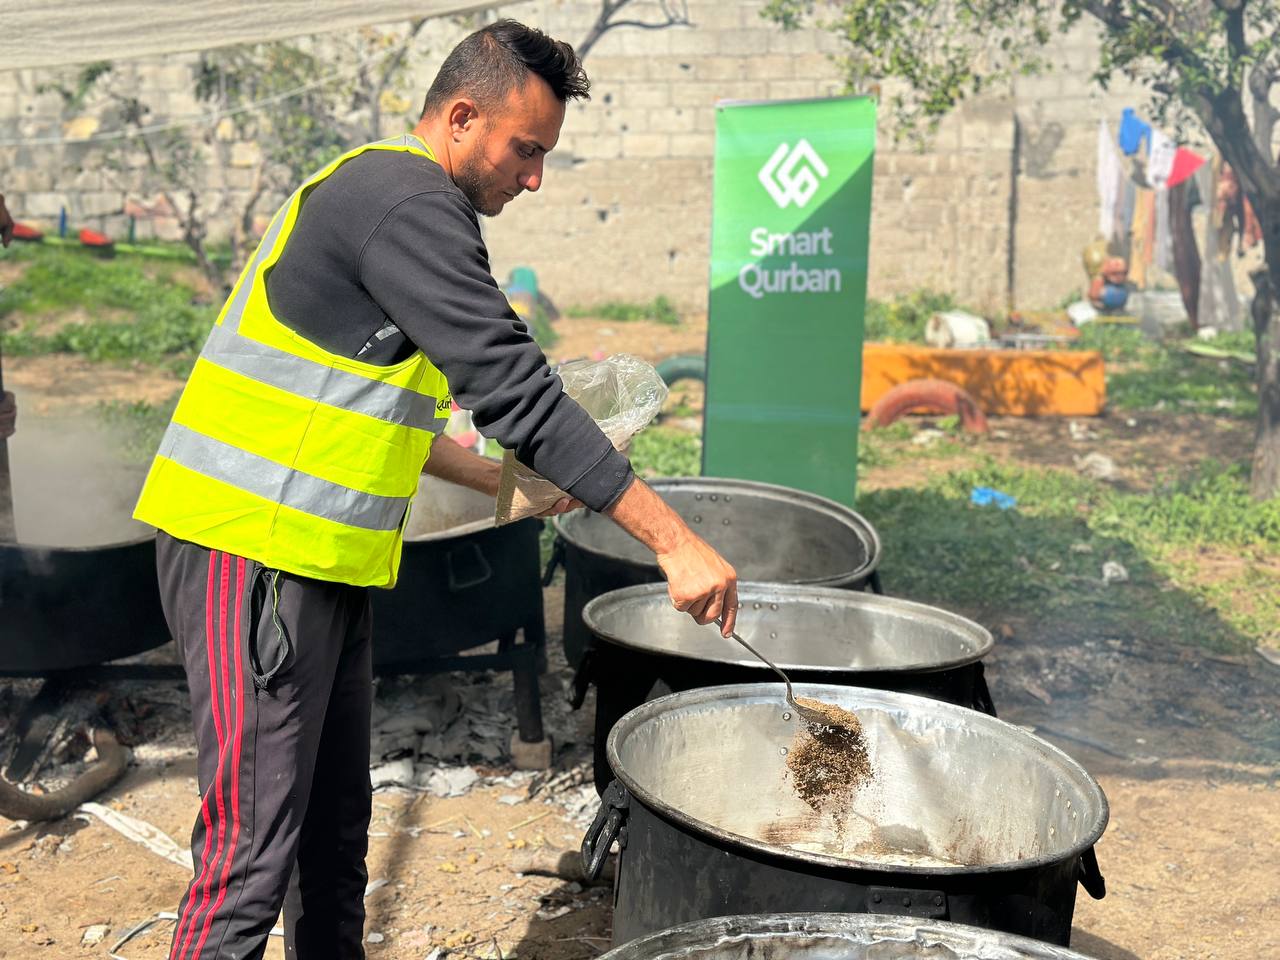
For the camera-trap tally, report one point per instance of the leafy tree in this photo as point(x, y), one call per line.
point(1211, 62)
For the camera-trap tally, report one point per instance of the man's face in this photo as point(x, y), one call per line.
point(501, 151)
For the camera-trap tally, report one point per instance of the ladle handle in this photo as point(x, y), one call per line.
point(760, 656)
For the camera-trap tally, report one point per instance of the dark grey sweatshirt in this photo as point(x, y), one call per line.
point(388, 244)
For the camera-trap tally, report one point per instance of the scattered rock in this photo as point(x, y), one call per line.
point(1114, 572)
point(95, 934)
point(1097, 466)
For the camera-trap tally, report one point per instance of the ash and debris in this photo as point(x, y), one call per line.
point(443, 735)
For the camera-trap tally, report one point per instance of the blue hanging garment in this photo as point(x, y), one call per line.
point(1132, 132)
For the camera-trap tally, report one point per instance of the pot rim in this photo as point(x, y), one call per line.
point(749, 591)
point(681, 940)
point(774, 693)
point(844, 515)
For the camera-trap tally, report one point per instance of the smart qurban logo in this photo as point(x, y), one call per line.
point(793, 174)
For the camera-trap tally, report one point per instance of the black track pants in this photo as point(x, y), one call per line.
point(280, 672)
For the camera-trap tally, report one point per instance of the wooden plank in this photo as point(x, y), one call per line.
point(1014, 383)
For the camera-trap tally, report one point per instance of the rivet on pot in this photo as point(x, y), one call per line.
point(782, 751)
point(697, 496)
point(906, 901)
point(773, 635)
point(755, 606)
point(937, 901)
point(787, 716)
point(715, 497)
point(726, 521)
point(697, 518)
point(875, 898)
point(773, 606)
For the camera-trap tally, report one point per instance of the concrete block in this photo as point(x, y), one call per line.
point(771, 66)
point(675, 119)
point(531, 756)
point(615, 68)
point(646, 95)
point(792, 89)
point(98, 203)
point(677, 70)
point(646, 145)
point(39, 203)
point(695, 42)
point(717, 68)
point(693, 144)
point(599, 147)
point(789, 41)
point(744, 43)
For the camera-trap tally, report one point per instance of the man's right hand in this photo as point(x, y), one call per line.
point(700, 581)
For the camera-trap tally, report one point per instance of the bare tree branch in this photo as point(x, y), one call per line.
point(675, 12)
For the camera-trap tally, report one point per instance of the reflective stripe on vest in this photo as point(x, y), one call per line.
point(271, 422)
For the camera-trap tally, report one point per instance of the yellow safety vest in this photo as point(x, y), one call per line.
point(287, 454)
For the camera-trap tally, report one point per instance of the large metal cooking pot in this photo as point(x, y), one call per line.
point(816, 634)
point(834, 936)
point(967, 818)
point(769, 533)
point(65, 607)
point(464, 582)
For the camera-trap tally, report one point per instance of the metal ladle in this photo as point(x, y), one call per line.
point(806, 713)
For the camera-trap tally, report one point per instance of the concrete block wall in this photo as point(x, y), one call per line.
point(625, 211)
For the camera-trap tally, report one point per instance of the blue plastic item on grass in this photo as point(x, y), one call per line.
point(990, 497)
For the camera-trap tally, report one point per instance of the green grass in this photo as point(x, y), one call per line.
point(137, 311)
point(1145, 375)
point(666, 452)
point(657, 310)
point(1044, 559)
point(903, 318)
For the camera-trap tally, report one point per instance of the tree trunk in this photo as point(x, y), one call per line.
point(1264, 481)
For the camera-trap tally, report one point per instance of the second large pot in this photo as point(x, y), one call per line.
point(816, 634)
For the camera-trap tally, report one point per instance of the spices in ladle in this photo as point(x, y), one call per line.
point(828, 761)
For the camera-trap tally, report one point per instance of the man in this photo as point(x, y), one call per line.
point(282, 484)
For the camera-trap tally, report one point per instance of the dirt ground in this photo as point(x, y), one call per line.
point(1189, 855)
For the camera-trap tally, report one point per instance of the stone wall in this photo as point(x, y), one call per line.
point(625, 210)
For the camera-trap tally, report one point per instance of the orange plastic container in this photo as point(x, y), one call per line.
point(1011, 383)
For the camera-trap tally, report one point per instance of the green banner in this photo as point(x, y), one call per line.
point(790, 219)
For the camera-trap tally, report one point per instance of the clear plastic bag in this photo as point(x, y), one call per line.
point(622, 393)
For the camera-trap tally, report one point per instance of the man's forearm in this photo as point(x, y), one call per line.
point(648, 518)
point(448, 461)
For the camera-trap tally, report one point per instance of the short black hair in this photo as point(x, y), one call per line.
point(497, 59)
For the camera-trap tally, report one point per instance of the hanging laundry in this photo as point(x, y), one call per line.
point(1142, 245)
point(1160, 162)
point(1124, 216)
point(1185, 163)
point(1132, 132)
point(1234, 216)
point(1219, 304)
point(1164, 236)
point(1110, 173)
